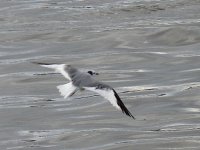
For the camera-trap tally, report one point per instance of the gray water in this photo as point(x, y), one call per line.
point(147, 50)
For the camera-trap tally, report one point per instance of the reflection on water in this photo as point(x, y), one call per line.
point(147, 50)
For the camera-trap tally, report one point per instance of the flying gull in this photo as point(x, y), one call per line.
point(80, 80)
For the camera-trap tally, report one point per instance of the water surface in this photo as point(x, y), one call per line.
point(147, 50)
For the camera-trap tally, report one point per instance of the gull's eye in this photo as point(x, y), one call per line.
point(90, 72)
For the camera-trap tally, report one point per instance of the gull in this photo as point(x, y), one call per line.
point(83, 80)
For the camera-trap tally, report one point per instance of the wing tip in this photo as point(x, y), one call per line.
point(122, 106)
point(40, 63)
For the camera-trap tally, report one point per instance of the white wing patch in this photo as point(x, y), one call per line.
point(59, 68)
point(67, 90)
point(107, 94)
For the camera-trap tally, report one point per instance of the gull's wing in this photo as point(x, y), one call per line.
point(60, 68)
point(111, 95)
point(67, 90)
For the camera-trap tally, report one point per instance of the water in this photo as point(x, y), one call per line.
point(147, 50)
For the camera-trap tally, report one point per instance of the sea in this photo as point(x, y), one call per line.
point(147, 50)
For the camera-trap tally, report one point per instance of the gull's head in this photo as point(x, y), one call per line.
point(91, 72)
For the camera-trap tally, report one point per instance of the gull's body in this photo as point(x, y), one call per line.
point(84, 80)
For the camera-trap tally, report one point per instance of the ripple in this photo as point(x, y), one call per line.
point(175, 37)
point(22, 101)
point(80, 107)
point(161, 91)
point(193, 110)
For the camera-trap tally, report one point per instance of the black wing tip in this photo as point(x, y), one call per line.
point(41, 63)
point(38, 63)
point(128, 113)
point(122, 106)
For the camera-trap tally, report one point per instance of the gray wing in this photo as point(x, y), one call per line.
point(59, 68)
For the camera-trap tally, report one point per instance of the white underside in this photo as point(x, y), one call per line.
point(107, 94)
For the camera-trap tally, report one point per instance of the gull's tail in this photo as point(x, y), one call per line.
point(67, 90)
